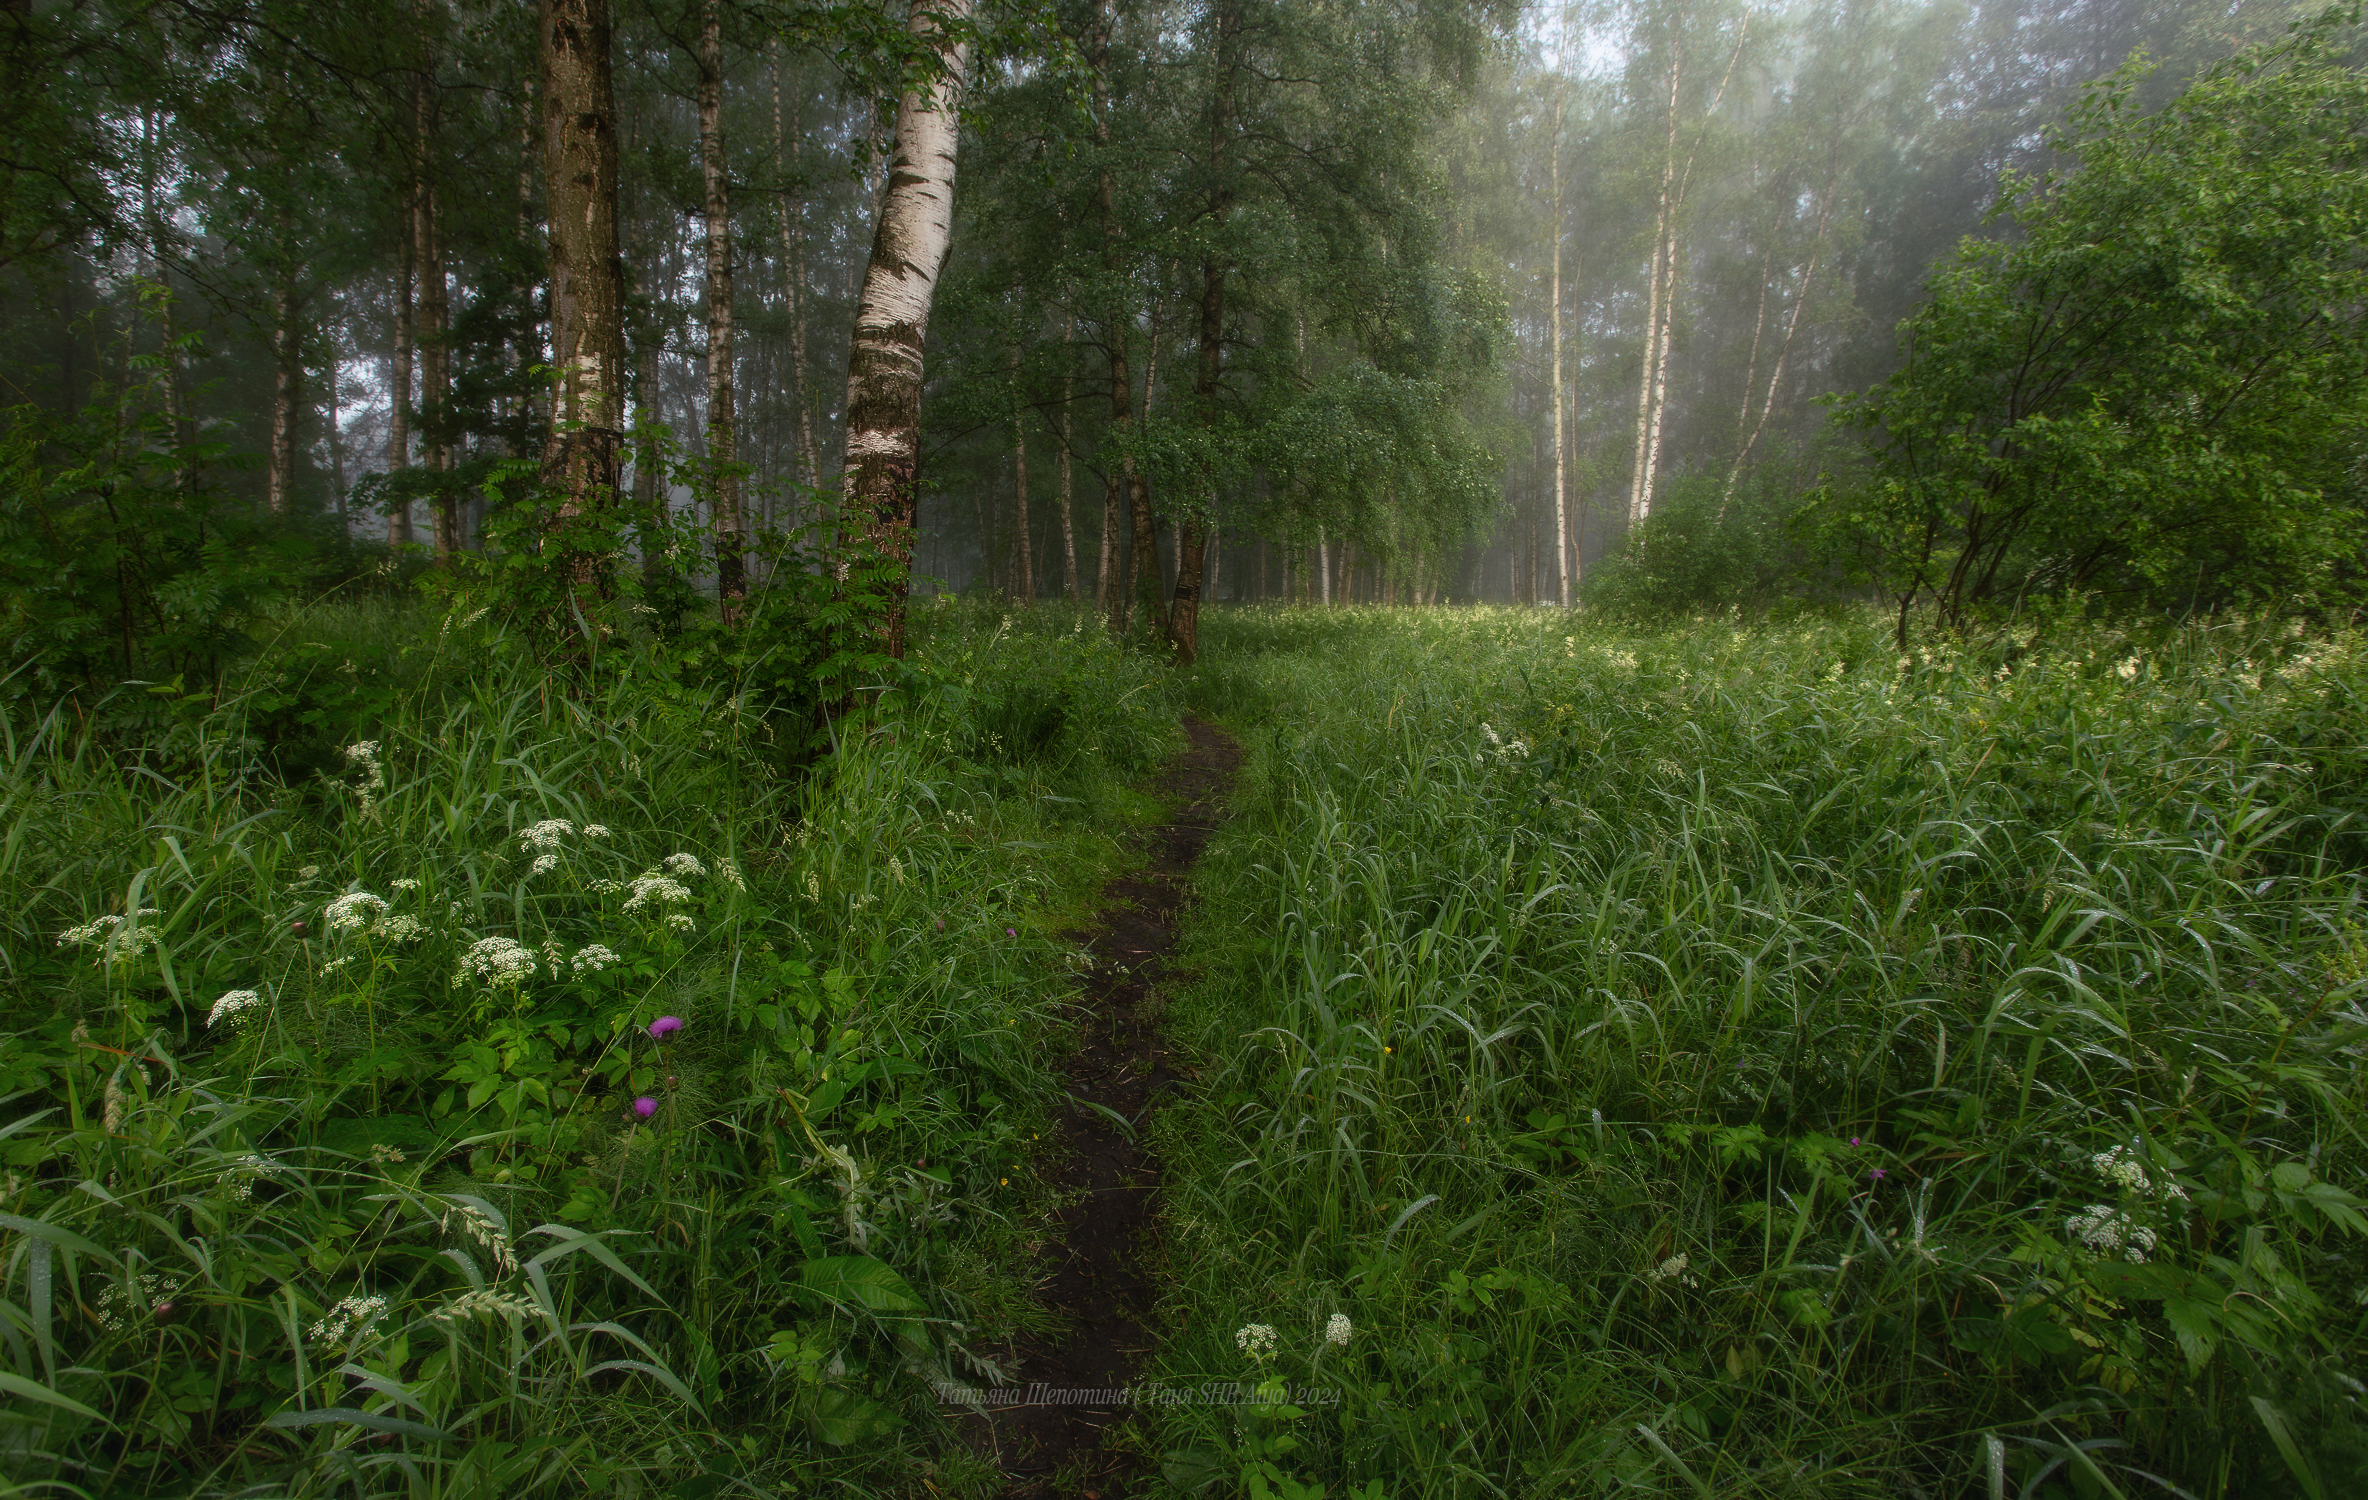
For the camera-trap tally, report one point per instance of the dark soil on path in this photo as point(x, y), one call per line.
point(1091, 1269)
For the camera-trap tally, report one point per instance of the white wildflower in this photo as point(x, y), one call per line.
point(596, 830)
point(654, 887)
point(544, 864)
point(116, 938)
point(385, 1155)
point(2106, 1230)
point(607, 887)
point(545, 836)
point(680, 922)
point(403, 929)
point(1338, 1330)
point(813, 886)
point(231, 1003)
point(2123, 1167)
point(118, 1301)
point(356, 911)
point(593, 959)
point(1674, 1268)
point(728, 871)
point(684, 864)
point(350, 1321)
point(308, 872)
point(497, 960)
point(1254, 1339)
point(2128, 670)
point(333, 965)
point(895, 870)
point(407, 883)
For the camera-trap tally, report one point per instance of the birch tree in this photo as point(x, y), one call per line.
point(884, 362)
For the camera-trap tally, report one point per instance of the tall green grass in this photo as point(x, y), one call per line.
point(392, 1222)
point(1725, 1061)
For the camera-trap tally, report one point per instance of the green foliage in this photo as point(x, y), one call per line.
point(1707, 550)
point(121, 558)
point(323, 1164)
point(1712, 1060)
point(2156, 387)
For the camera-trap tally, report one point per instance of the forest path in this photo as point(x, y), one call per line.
point(1090, 1269)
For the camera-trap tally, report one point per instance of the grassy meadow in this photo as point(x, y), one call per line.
point(1711, 1060)
point(1729, 1060)
point(348, 1148)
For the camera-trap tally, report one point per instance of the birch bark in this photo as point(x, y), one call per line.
point(881, 487)
point(1561, 479)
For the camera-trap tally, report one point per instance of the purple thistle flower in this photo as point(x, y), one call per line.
point(1854, 1140)
point(645, 1106)
point(664, 1027)
point(1011, 932)
point(1875, 1176)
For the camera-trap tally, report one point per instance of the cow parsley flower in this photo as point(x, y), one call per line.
point(654, 887)
point(2125, 1169)
point(401, 929)
point(350, 1321)
point(116, 938)
point(231, 1003)
point(592, 959)
point(362, 758)
point(1254, 1339)
point(2105, 1230)
point(681, 923)
point(607, 887)
point(544, 837)
point(1672, 1269)
point(596, 830)
point(684, 864)
point(407, 883)
point(544, 864)
point(118, 1301)
point(1338, 1330)
point(356, 911)
point(728, 871)
point(497, 960)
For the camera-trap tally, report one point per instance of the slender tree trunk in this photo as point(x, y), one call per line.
point(793, 274)
point(731, 542)
point(398, 446)
point(583, 456)
point(1019, 484)
point(1111, 590)
point(336, 433)
point(1068, 520)
point(1561, 480)
point(882, 484)
point(435, 372)
point(1792, 328)
point(1640, 484)
point(1191, 534)
point(287, 350)
point(1143, 543)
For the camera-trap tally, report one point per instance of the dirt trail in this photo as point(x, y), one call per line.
point(1090, 1270)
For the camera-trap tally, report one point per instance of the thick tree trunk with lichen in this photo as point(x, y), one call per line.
point(581, 459)
point(882, 484)
point(731, 582)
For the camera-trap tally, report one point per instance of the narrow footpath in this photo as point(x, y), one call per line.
point(1091, 1271)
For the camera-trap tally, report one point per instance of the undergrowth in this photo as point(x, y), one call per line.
point(558, 1090)
point(1748, 1061)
